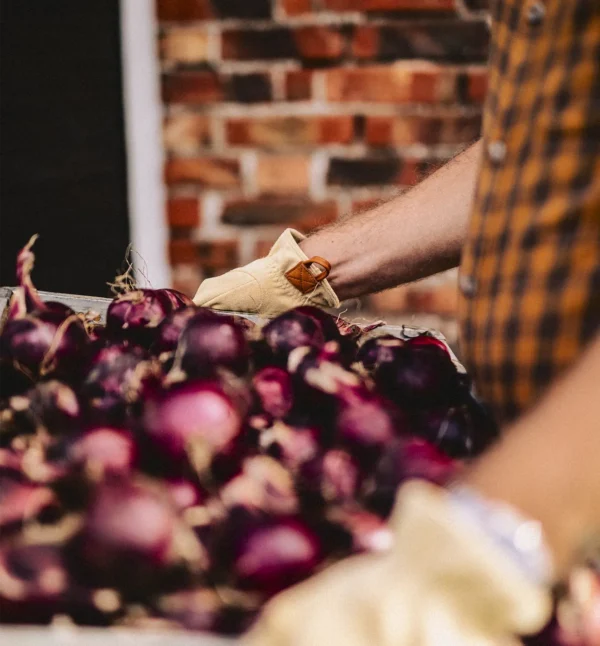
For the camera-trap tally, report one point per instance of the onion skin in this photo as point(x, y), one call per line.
point(34, 584)
point(193, 412)
point(170, 330)
point(273, 390)
point(117, 379)
point(105, 449)
point(292, 330)
point(266, 554)
point(51, 406)
point(211, 342)
point(418, 376)
point(126, 539)
point(373, 352)
point(136, 315)
point(44, 344)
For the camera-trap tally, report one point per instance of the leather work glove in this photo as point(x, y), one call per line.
point(443, 583)
point(286, 278)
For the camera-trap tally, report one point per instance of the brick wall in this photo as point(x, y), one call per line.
point(297, 112)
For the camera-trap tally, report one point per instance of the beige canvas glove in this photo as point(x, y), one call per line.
point(442, 584)
point(286, 278)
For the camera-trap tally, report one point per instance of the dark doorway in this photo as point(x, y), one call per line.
point(62, 142)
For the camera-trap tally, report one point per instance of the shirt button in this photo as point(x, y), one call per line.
point(536, 12)
point(468, 286)
point(496, 151)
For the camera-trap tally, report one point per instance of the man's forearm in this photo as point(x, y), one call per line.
point(412, 236)
point(548, 465)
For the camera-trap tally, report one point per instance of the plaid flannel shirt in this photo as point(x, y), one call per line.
point(530, 272)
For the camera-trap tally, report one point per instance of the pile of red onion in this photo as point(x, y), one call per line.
point(178, 467)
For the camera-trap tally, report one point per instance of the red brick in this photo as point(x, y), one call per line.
point(249, 88)
point(206, 171)
point(218, 254)
point(372, 171)
point(186, 278)
point(185, 133)
point(184, 9)
point(477, 87)
point(319, 42)
point(390, 5)
point(298, 85)
point(299, 213)
point(296, 7)
point(192, 87)
point(311, 42)
point(184, 46)
point(182, 251)
point(396, 83)
point(366, 204)
point(379, 131)
point(478, 5)
point(438, 299)
point(365, 42)
point(254, 44)
point(183, 212)
point(456, 41)
point(406, 130)
point(390, 300)
point(204, 9)
point(281, 132)
point(277, 174)
point(263, 246)
point(425, 86)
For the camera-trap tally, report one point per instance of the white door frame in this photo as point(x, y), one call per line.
point(143, 137)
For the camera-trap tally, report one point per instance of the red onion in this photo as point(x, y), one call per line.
point(323, 319)
point(185, 493)
point(402, 460)
point(192, 413)
point(34, 583)
point(127, 536)
point(51, 406)
point(378, 350)
point(266, 554)
point(22, 500)
point(136, 315)
point(263, 485)
point(273, 389)
point(366, 424)
point(177, 298)
point(426, 340)
point(167, 336)
point(118, 377)
point(292, 330)
point(418, 376)
point(12, 381)
point(461, 431)
point(44, 343)
point(291, 445)
point(276, 555)
point(211, 342)
point(111, 450)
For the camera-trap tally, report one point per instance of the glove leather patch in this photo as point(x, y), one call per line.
point(303, 279)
